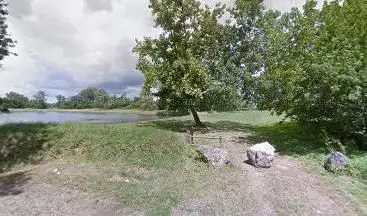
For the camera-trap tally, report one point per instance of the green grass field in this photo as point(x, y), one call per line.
point(171, 171)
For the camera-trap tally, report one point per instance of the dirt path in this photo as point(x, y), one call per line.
point(21, 193)
point(284, 189)
point(46, 200)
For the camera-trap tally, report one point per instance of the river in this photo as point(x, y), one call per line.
point(63, 117)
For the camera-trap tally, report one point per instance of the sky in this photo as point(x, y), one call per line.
point(64, 46)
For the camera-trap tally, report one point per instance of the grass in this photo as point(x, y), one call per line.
point(290, 141)
point(294, 142)
point(217, 121)
point(160, 167)
point(127, 111)
point(166, 170)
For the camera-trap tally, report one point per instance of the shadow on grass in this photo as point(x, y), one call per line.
point(182, 126)
point(289, 139)
point(22, 144)
point(12, 184)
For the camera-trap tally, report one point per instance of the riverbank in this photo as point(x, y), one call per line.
point(147, 167)
point(126, 111)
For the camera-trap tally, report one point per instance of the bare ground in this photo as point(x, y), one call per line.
point(26, 193)
point(284, 189)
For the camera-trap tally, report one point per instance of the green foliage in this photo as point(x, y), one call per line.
point(247, 45)
point(316, 66)
point(87, 98)
point(147, 102)
point(6, 42)
point(99, 98)
point(15, 100)
point(40, 101)
point(3, 106)
point(188, 61)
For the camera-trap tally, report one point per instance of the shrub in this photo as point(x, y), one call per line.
point(316, 68)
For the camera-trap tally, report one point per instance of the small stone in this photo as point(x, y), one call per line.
point(337, 160)
point(261, 155)
point(127, 180)
point(58, 173)
point(55, 170)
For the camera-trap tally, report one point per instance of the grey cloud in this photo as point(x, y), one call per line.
point(54, 78)
point(20, 8)
point(54, 31)
point(65, 46)
point(125, 84)
point(98, 5)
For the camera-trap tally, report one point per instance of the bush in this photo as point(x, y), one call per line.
point(316, 69)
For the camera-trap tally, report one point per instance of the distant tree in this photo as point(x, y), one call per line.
point(74, 102)
point(94, 98)
point(88, 94)
point(40, 101)
point(6, 42)
point(3, 105)
point(16, 100)
point(136, 99)
point(61, 100)
point(102, 98)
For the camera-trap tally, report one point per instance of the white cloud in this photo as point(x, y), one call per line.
point(73, 43)
point(67, 45)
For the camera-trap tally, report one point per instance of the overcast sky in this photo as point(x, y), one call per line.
point(67, 45)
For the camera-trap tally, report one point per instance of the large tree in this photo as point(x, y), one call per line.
point(316, 69)
point(248, 45)
point(187, 61)
point(6, 42)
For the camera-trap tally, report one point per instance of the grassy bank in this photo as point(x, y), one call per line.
point(127, 111)
point(160, 169)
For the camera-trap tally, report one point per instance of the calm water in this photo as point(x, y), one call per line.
point(62, 117)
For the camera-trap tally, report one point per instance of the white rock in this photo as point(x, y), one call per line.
point(261, 155)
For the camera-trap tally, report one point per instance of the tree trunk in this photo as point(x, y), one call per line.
point(196, 116)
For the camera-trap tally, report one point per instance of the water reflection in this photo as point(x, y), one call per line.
point(62, 117)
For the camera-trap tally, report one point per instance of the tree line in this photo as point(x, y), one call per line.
point(87, 98)
point(308, 64)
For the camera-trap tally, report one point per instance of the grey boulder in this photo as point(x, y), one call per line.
point(214, 156)
point(261, 155)
point(336, 160)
